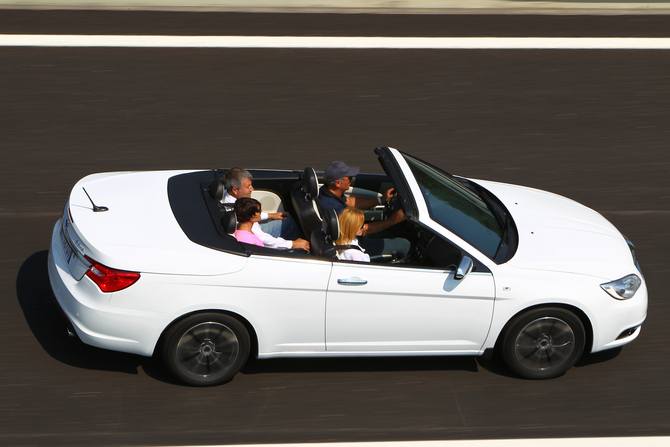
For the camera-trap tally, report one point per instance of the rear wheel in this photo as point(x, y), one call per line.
point(206, 349)
point(543, 343)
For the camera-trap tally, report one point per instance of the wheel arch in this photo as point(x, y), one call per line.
point(253, 349)
point(586, 322)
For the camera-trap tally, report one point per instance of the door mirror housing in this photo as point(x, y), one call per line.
point(464, 268)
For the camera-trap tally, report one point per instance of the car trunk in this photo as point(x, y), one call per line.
point(138, 231)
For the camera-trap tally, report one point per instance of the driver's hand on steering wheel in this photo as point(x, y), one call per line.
point(386, 196)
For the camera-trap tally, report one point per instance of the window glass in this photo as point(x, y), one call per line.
point(457, 208)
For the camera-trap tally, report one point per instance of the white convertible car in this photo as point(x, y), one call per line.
point(144, 263)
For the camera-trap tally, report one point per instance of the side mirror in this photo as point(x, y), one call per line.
point(464, 268)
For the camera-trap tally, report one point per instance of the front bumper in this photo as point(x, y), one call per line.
point(619, 322)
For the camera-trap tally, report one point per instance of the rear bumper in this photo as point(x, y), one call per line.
point(93, 320)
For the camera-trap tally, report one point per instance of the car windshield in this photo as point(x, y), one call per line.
point(457, 208)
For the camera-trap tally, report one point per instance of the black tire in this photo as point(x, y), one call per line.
point(543, 343)
point(206, 349)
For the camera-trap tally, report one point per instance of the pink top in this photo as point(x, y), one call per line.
point(248, 238)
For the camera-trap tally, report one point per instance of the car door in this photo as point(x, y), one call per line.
point(284, 299)
point(386, 307)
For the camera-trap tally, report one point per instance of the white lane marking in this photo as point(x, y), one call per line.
point(321, 42)
point(651, 441)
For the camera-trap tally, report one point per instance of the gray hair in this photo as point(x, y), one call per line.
point(330, 182)
point(235, 177)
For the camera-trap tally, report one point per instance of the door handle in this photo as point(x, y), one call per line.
point(352, 281)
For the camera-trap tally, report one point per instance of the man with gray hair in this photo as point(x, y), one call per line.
point(276, 230)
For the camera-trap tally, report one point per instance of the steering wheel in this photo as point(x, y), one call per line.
point(391, 207)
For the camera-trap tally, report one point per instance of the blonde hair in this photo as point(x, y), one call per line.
point(351, 220)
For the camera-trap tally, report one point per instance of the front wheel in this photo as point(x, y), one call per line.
point(206, 349)
point(543, 343)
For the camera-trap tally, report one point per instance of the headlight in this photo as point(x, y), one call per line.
point(624, 288)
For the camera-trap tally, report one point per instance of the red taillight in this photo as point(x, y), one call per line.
point(108, 279)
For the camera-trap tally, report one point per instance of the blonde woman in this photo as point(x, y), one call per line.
point(351, 225)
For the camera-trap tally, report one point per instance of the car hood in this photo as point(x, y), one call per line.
point(559, 234)
point(139, 231)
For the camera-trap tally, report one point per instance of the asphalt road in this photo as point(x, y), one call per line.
point(591, 125)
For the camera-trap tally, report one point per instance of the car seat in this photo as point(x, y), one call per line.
point(322, 240)
point(229, 222)
point(306, 206)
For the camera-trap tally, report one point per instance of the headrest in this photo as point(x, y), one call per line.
point(216, 189)
point(310, 183)
point(229, 222)
point(330, 225)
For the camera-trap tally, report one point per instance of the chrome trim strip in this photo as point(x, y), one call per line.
point(71, 244)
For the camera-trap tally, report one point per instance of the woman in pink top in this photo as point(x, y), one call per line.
point(248, 211)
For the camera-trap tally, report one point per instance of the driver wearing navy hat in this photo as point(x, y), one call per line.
point(339, 178)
